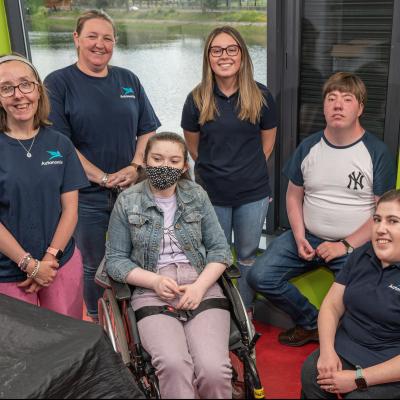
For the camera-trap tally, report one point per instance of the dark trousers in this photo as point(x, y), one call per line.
point(90, 235)
point(311, 389)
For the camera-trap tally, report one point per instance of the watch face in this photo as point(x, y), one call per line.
point(59, 254)
point(350, 250)
point(361, 384)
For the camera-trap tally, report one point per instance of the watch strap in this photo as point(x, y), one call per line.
point(359, 373)
point(57, 253)
point(135, 165)
point(349, 247)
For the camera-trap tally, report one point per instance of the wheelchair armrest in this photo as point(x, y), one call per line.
point(233, 272)
point(121, 291)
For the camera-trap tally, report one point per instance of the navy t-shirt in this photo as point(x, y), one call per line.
point(231, 163)
point(30, 193)
point(102, 115)
point(369, 332)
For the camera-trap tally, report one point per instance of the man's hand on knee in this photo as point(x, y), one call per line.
point(305, 250)
point(331, 250)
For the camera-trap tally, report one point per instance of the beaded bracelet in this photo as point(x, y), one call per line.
point(24, 262)
point(35, 270)
point(104, 180)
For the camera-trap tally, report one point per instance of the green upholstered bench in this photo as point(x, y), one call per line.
point(314, 284)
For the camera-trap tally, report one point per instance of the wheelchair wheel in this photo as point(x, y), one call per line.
point(149, 386)
point(111, 320)
point(246, 383)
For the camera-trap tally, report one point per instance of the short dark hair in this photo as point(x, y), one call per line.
point(346, 82)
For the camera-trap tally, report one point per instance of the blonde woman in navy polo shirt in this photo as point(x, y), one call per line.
point(359, 321)
point(229, 122)
point(40, 175)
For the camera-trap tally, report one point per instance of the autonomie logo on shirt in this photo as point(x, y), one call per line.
point(393, 287)
point(127, 93)
point(54, 155)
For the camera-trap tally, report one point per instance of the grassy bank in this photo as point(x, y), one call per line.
point(161, 24)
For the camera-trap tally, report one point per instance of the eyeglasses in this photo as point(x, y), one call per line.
point(24, 87)
point(217, 51)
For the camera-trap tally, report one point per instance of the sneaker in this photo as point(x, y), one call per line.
point(298, 336)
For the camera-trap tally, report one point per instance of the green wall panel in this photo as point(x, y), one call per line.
point(5, 46)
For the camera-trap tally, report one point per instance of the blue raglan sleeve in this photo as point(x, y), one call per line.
point(384, 166)
point(292, 169)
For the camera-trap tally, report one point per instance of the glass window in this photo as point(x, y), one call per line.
point(344, 35)
point(161, 42)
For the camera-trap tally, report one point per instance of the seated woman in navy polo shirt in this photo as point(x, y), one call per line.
point(40, 175)
point(229, 122)
point(359, 321)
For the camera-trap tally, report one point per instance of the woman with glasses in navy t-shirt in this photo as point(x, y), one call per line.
point(40, 175)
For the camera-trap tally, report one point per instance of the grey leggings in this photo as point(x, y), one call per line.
point(311, 389)
point(191, 359)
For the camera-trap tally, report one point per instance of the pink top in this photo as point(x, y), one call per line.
point(170, 249)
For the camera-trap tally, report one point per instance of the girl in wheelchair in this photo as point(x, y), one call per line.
point(164, 238)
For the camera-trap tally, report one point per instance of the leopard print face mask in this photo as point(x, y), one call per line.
point(163, 177)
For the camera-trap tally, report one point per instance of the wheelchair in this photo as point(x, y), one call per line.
point(118, 319)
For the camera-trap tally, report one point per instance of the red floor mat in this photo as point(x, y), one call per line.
point(279, 366)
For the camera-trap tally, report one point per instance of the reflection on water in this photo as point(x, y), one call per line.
point(168, 67)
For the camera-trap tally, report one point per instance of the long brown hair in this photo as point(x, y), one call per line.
point(166, 137)
point(250, 99)
point(41, 117)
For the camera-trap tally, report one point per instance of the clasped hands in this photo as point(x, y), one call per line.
point(331, 377)
point(122, 178)
point(326, 250)
point(190, 295)
point(44, 277)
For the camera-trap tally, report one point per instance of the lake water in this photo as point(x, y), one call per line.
point(168, 68)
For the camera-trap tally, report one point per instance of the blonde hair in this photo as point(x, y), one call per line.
point(250, 100)
point(41, 117)
point(93, 14)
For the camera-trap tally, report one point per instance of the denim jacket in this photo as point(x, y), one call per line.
point(136, 229)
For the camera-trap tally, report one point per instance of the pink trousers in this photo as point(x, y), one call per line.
point(191, 359)
point(64, 295)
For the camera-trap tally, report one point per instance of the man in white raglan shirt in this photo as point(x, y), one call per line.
point(335, 178)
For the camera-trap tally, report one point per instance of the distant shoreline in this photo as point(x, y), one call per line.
point(251, 23)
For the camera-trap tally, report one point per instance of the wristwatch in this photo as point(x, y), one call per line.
point(349, 247)
point(135, 165)
point(360, 380)
point(57, 253)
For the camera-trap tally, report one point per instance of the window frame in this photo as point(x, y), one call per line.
point(283, 77)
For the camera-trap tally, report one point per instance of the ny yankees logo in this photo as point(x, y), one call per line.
point(356, 180)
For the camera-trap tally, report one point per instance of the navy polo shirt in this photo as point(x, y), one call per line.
point(103, 116)
point(30, 193)
point(231, 163)
point(369, 332)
